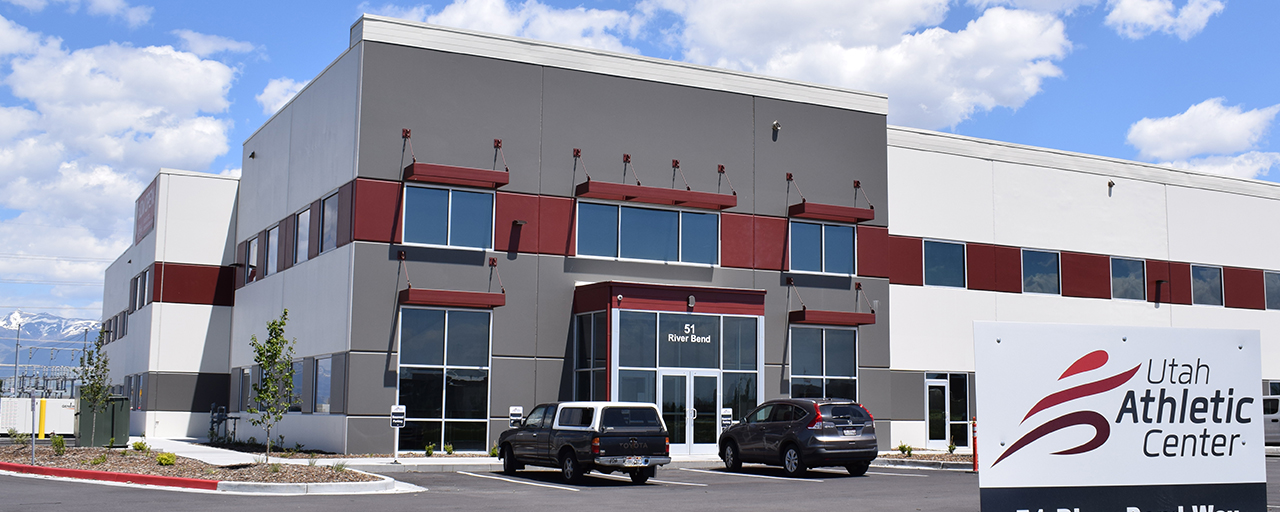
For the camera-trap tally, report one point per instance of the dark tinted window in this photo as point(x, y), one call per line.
point(760, 415)
point(650, 234)
point(1040, 272)
point(806, 247)
point(806, 351)
point(1270, 405)
point(837, 249)
point(597, 229)
point(637, 333)
point(576, 416)
point(426, 215)
point(1128, 280)
point(1272, 281)
point(630, 417)
point(841, 353)
point(468, 338)
point(699, 237)
point(943, 264)
point(689, 341)
point(420, 390)
point(843, 412)
point(466, 393)
point(739, 343)
point(783, 412)
point(535, 417)
point(1206, 285)
point(637, 386)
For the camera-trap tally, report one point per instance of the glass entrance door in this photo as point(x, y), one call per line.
point(936, 400)
point(689, 408)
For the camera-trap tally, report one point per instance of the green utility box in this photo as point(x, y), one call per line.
point(98, 429)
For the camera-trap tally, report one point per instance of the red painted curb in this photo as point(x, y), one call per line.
point(167, 481)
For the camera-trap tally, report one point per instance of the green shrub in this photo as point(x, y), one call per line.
point(905, 449)
point(16, 437)
point(951, 447)
point(166, 459)
point(339, 466)
point(431, 449)
point(59, 445)
point(311, 461)
point(493, 450)
point(141, 446)
point(99, 459)
point(448, 448)
point(274, 467)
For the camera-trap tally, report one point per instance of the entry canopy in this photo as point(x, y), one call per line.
point(660, 297)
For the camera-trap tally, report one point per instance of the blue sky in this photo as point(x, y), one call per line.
point(95, 95)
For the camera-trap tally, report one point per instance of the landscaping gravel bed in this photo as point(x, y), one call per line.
point(930, 456)
point(144, 463)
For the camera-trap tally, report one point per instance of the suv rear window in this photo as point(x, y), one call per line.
point(1270, 405)
point(576, 417)
point(630, 417)
point(843, 413)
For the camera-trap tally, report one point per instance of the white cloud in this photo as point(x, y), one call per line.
point(277, 93)
point(1253, 164)
point(93, 126)
point(1137, 19)
point(205, 45)
point(135, 16)
point(1205, 128)
point(1061, 6)
point(934, 77)
point(593, 28)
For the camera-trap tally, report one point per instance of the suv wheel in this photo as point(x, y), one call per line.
point(792, 461)
point(858, 468)
point(570, 469)
point(732, 459)
point(509, 463)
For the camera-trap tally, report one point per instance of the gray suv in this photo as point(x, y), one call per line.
point(802, 433)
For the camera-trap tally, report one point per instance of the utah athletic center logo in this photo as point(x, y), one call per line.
point(1161, 409)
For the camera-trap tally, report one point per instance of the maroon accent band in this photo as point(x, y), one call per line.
point(1102, 431)
point(1082, 391)
point(181, 283)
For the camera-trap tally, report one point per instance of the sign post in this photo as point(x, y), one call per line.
point(1132, 419)
point(397, 421)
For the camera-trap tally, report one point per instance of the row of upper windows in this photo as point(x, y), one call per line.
point(298, 244)
point(944, 265)
point(464, 219)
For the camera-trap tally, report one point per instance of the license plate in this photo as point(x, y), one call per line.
point(634, 461)
point(850, 431)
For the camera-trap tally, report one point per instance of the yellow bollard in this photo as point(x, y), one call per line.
point(41, 418)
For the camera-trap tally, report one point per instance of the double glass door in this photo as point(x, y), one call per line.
point(947, 399)
point(690, 408)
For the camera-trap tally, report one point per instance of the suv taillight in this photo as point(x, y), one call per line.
point(595, 446)
point(816, 424)
point(868, 411)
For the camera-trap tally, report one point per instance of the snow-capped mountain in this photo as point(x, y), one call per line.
point(43, 330)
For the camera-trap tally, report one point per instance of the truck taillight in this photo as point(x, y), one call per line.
point(816, 424)
point(595, 446)
point(666, 446)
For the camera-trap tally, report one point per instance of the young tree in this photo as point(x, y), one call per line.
point(95, 383)
point(273, 394)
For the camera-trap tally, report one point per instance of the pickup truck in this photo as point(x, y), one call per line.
point(577, 437)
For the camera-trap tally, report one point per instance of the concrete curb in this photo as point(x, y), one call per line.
point(383, 484)
point(929, 464)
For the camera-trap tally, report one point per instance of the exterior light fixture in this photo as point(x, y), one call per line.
point(519, 222)
point(777, 126)
point(692, 302)
point(253, 154)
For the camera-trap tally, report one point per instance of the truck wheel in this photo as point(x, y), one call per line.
point(792, 461)
point(858, 468)
point(642, 475)
point(570, 469)
point(732, 459)
point(509, 463)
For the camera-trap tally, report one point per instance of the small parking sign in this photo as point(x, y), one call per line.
point(397, 416)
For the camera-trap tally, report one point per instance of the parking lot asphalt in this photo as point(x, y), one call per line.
point(755, 488)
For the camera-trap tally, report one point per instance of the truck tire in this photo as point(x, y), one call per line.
point(570, 469)
point(642, 475)
point(509, 463)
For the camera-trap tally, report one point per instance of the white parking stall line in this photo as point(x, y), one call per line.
point(842, 472)
point(514, 481)
point(748, 475)
point(654, 480)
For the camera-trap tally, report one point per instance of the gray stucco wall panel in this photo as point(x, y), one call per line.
point(455, 105)
point(873, 391)
point(509, 385)
point(371, 383)
point(369, 435)
point(512, 335)
point(826, 149)
point(653, 122)
point(376, 281)
point(555, 308)
point(553, 382)
point(873, 340)
point(908, 395)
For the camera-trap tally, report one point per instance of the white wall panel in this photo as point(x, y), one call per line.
point(131, 354)
point(315, 431)
point(1055, 309)
point(932, 327)
point(322, 143)
point(1223, 229)
point(198, 222)
point(1039, 207)
point(914, 433)
point(168, 424)
point(191, 338)
point(317, 294)
point(940, 196)
point(264, 178)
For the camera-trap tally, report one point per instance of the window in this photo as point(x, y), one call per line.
point(944, 263)
point(246, 388)
point(576, 416)
point(302, 236)
point(824, 363)
point(139, 295)
point(444, 378)
point(251, 261)
point(740, 353)
point(592, 352)
point(323, 392)
point(826, 248)
point(272, 253)
point(1206, 285)
point(648, 234)
point(1040, 272)
point(1272, 281)
point(448, 217)
point(295, 398)
point(1128, 279)
point(329, 223)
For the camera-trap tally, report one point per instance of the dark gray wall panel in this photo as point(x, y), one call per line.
point(371, 383)
point(512, 332)
point(555, 309)
point(186, 392)
point(553, 381)
point(338, 381)
point(654, 123)
point(376, 283)
point(509, 384)
point(369, 435)
point(908, 395)
point(884, 435)
point(777, 383)
point(455, 105)
point(873, 340)
point(826, 149)
point(874, 391)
